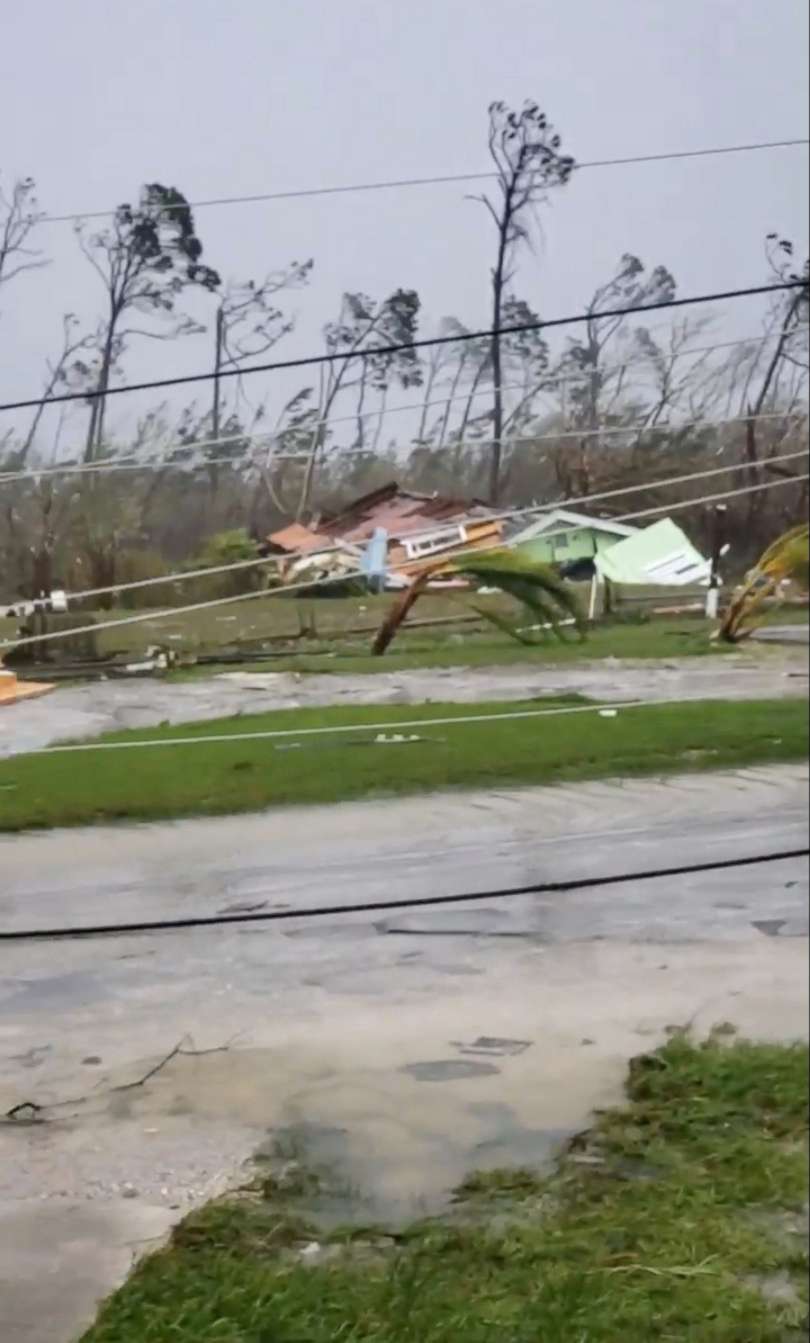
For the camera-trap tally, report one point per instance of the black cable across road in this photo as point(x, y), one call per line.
point(378, 350)
point(382, 906)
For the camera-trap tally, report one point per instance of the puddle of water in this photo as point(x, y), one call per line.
point(448, 1070)
point(396, 1134)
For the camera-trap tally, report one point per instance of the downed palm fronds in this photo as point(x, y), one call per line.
point(787, 558)
point(535, 586)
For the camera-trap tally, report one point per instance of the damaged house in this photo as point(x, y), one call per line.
point(388, 533)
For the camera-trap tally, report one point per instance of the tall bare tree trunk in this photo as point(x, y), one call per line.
point(754, 411)
point(219, 332)
point(497, 391)
point(451, 398)
point(499, 280)
point(95, 429)
point(378, 432)
point(360, 441)
point(465, 419)
point(318, 439)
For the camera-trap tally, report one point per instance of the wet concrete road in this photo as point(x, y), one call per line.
point(88, 710)
point(400, 1049)
point(783, 634)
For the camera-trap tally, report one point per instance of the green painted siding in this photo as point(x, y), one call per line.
point(581, 544)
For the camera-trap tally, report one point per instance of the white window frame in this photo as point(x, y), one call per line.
point(418, 547)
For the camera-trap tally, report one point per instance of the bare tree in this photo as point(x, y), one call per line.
point(248, 324)
point(470, 374)
point(19, 216)
point(593, 385)
point(360, 335)
point(677, 382)
point(526, 358)
point(788, 324)
point(525, 150)
point(147, 256)
point(68, 371)
point(437, 361)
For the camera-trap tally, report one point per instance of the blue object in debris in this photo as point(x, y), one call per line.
point(374, 562)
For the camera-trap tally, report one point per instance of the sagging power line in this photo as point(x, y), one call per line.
point(303, 193)
point(383, 351)
point(556, 382)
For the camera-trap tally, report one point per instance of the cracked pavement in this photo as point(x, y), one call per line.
point(402, 1049)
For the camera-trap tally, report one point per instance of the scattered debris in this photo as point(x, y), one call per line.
point(770, 927)
point(493, 1045)
point(156, 659)
point(33, 1057)
point(382, 739)
point(30, 1112)
point(173, 1054)
point(243, 907)
point(26, 1112)
point(448, 1070)
point(387, 529)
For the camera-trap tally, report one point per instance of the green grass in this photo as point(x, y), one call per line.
point(333, 646)
point(333, 649)
point(661, 1224)
point(467, 646)
point(232, 776)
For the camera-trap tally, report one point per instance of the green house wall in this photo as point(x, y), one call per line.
point(581, 544)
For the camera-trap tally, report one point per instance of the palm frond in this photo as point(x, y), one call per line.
point(536, 586)
point(501, 622)
point(788, 557)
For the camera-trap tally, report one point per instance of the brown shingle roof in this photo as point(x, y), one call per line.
point(400, 512)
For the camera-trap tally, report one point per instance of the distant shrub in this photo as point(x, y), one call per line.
point(229, 547)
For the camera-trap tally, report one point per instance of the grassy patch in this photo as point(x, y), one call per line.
point(319, 633)
point(470, 647)
point(479, 646)
point(232, 776)
point(659, 1225)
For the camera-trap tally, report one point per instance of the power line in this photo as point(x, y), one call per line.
point(252, 460)
point(343, 356)
point(288, 589)
point(643, 513)
point(712, 498)
point(383, 906)
point(441, 180)
point(167, 612)
point(133, 463)
point(186, 574)
point(283, 734)
point(182, 576)
point(114, 465)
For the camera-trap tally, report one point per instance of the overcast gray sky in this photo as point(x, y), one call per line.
point(96, 98)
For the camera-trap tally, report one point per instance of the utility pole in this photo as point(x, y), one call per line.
point(718, 546)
